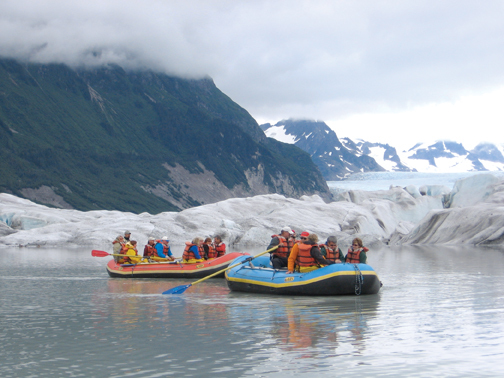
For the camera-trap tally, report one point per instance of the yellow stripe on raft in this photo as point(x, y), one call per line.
point(300, 283)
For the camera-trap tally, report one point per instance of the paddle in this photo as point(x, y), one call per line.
point(182, 288)
point(97, 253)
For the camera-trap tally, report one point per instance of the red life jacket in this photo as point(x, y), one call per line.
point(331, 254)
point(212, 251)
point(283, 247)
point(188, 254)
point(304, 258)
point(221, 249)
point(149, 250)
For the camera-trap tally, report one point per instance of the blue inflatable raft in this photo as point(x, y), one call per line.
point(257, 276)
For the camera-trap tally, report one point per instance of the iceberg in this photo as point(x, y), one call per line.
point(472, 213)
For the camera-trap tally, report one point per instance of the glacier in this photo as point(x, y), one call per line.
point(470, 213)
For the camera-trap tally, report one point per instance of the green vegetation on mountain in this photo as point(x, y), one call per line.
point(105, 138)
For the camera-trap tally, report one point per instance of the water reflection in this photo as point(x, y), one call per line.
point(440, 312)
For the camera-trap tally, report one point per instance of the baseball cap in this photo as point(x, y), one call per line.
point(288, 229)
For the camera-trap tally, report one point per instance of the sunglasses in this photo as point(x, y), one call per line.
point(304, 238)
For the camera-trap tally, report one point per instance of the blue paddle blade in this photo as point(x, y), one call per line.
point(177, 289)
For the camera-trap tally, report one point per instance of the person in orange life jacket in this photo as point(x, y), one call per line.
point(118, 243)
point(132, 253)
point(356, 253)
point(192, 251)
point(127, 236)
point(330, 250)
point(163, 249)
point(220, 247)
point(306, 255)
point(279, 256)
point(149, 249)
point(210, 252)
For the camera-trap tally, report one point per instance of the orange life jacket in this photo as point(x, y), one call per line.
point(353, 256)
point(304, 258)
point(283, 247)
point(212, 252)
point(188, 254)
point(332, 254)
point(221, 249)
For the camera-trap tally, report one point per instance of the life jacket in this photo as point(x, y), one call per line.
point(188, 254)
point(221, 249)
point(332, 254)
point(353, 256)
point(201, 251)
point(150, 250)
point(304, 258)
point(212, 251)
point(283, 247)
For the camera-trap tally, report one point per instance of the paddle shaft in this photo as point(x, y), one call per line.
point(231, 267)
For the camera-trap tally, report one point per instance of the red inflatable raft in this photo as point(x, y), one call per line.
point(172, 269)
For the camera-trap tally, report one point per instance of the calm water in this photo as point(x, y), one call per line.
point(439, 314)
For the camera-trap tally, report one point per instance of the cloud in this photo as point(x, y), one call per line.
point(279, 59)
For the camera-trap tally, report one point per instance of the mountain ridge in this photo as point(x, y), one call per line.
point(106, 138)
point(339, 158)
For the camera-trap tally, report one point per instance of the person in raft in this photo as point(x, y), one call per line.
point(127, 236)
point(150, 249)
point(356, 253)
point(193, 251)
point(330, 250)
point(210, 251)
point(285, 243)
point(306, 255)
point(163, 249)
point(117, 245)
point(219, 245)
point(131, 254)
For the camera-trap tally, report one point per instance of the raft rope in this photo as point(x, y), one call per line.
point(359, 280)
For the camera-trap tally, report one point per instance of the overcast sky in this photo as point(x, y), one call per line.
point(396, 72)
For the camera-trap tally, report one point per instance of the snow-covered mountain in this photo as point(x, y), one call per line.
point(337, 158)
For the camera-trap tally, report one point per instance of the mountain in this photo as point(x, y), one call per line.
point(449, 156)
point(338, 159)
point(335, 160)
point(106, 138)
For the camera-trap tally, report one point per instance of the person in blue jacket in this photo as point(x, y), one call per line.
point(163, 249)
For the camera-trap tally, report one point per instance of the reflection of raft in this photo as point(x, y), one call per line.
point(172, 269)
point(336, 279)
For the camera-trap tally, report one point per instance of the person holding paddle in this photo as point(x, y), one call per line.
point(285, 244)
point(163, 249)
point(117, 244)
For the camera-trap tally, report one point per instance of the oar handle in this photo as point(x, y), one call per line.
point(232, 266)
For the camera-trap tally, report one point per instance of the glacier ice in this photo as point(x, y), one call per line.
point(472, 213)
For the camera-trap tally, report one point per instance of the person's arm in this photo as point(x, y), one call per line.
point(194, 248)
point(169, 252)
point(206, 248)
point(292, 258)
point(315, 253)
point(362, 257)
point(159, 249)
point(342, 256)
point(274, 242)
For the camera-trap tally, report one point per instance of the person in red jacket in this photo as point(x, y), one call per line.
point(220, 247)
